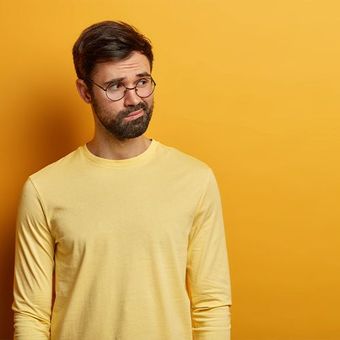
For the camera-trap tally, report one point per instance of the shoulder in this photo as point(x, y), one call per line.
point(183, 162)
point(56, 170)
point(179, 156)
point(46, 181)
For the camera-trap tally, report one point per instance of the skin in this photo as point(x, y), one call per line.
point(103, 143)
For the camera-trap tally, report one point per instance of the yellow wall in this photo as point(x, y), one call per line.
point(250, 87)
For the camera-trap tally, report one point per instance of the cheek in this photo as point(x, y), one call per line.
point(115, 109)
point(149, 101)
point(108, 109)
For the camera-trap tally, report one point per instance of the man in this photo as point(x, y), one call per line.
point(125, 232)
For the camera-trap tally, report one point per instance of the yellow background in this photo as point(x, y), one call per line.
point(250, 87)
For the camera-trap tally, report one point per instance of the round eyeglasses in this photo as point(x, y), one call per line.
point(116, 90)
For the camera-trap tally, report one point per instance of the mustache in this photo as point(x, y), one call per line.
point(130, 109)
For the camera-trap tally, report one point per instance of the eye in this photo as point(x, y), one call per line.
point(143, 82)
point(115, 87)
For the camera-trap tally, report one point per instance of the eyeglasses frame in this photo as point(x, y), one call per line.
point(126, 89)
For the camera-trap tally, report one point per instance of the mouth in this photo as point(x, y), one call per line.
point(134, 115)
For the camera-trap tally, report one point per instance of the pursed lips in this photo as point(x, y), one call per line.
point(134, 115)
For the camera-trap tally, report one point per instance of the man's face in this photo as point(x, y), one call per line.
point(128, 117)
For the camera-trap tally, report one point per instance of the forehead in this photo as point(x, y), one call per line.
point(135, 64)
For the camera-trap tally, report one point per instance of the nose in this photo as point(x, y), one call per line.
point(131, 97)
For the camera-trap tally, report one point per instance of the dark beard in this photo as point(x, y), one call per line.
point(125, 130)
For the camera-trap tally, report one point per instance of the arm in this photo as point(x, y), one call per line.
point(208, 280)
point(33, 270)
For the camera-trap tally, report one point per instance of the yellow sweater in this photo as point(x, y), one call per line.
point(137, 246)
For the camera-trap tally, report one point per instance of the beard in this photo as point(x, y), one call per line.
point(118, 127)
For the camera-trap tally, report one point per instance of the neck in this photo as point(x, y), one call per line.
point(111, 148)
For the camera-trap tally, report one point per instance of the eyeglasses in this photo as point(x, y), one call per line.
point(116, 91)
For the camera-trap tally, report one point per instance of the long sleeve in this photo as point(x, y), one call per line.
point(208, 281)
point(33, 271)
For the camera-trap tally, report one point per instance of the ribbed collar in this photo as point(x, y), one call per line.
point(104, 162)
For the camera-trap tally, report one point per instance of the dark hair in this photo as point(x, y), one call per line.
point(105, 41)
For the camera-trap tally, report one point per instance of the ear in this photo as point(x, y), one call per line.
point(83, 91)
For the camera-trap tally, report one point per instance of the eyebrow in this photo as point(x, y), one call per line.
point(118, 80)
